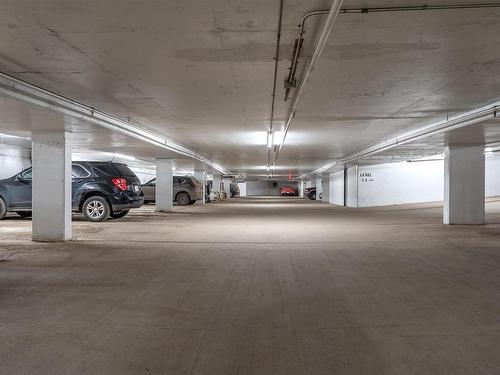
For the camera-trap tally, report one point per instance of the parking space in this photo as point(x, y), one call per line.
point(255, 285)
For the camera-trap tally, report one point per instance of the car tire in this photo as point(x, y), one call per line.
point(119, 214)
point(312, 196)
point(24, 213)
point(182, 199)
point(96, 209)
point(3, 209)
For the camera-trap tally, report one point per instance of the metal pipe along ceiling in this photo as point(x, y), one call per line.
point(33, 95)
point(273, 95)
point(475, 116)
point(291, 81)
point(327, 28)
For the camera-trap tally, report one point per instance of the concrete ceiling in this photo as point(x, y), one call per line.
point(201, 72)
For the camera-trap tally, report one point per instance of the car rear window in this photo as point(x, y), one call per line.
point(106, 169)
point(186, 181)
point(116, 170)
point(123, 170)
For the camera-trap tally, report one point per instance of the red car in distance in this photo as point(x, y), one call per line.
point(288, 190)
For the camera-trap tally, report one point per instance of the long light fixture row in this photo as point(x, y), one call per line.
point(33, 95)
point(488, 112)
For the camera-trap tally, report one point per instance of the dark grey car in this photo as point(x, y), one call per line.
point(187, 190)
point(99, 190)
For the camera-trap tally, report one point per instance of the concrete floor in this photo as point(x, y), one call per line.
point(254, 286)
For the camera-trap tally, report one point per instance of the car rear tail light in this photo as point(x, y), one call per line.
point(120, 183)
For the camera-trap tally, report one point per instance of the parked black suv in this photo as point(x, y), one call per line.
point(100, 189)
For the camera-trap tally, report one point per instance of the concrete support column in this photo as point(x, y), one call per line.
point(201, 176)
point(301, 189)
point(337, 187)
point(464, 184)
point(51, 185)
point(243, 188)
point(319, 186)
point(164, 185)
point(217, 183)
point(326, 189)
point(227, 187)
point(351, 186)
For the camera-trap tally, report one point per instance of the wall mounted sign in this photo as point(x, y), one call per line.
point(366, 177)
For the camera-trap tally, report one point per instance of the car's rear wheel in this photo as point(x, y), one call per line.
point(96, 209)
point(183, 199)
point(3, 209)
point(24, 213)
point(119, 214)
point(312, 196)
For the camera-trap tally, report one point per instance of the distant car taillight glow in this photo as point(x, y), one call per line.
point(120, 183)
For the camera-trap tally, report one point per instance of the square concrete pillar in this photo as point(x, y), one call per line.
point(301, 188)
point(243, 188)
point(351, 186)
point(337, 192)
point(51, 185)
point(464, 183)
point(164, 185)
point(319, 186)
point(217, 183)
point(325, 197)
point(227, 187)
point(201, 176)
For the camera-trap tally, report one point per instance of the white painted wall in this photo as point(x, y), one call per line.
point(13, 160)
point(352, 186)
point(263, 187)
point(243, 189)
point(337, 188)
point(492, 173)
point(259, 187)
point(319, 186)
point(397, 183)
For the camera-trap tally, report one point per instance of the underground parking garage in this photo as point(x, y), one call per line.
point(264, 187)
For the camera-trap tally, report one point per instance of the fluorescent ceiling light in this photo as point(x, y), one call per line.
point(269, 139)
point(3, 135)
point(27, 93)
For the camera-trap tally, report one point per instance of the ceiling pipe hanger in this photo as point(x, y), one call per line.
point(291, 82)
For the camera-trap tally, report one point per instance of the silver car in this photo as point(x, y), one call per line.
point(187, 190)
